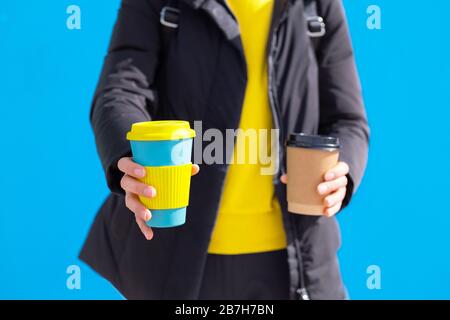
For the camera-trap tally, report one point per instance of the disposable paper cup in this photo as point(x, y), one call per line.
point(309, 157)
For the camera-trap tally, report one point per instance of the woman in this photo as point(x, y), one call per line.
point(246, 64)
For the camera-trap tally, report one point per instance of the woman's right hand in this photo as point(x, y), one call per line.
point(134, 188)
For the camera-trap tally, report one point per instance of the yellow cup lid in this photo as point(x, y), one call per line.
point(160, 130)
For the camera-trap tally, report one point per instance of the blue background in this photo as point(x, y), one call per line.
point(52, 184)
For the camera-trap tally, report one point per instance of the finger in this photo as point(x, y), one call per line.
point(132, 185)
point(195, 169)
point(330, 186)
point(128, 166)
point(145, 229)
point(341, 169)
point(283, 179)
point(335, 197)
point(329, 212)
point(133, 203)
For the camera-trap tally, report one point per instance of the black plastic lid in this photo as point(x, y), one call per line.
point(304, 140)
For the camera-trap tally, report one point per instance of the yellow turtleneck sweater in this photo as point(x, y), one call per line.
point(249, 218)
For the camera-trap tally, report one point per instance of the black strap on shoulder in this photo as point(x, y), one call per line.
point(170, 14)
point(316, 25)
point(169, 19)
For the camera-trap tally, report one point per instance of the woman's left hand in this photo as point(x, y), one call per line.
point(334, 188)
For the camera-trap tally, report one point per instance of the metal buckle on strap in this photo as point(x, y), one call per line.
point(316, 27)
point(302, 294)
point(169, 17)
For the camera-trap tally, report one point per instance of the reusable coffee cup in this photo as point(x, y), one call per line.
point(309, 157)
point(164, 148)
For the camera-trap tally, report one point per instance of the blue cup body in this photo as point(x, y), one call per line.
point(163, 153)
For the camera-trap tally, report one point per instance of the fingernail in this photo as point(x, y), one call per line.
point(329, 176)
point(139, 172)
point(322, 188)
point(148, 215)
point(149, 192)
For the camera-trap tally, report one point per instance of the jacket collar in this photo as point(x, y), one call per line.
point(226, 22)
point(279, 9)
point(195, 3)
point(219, 14)
point(222, 17)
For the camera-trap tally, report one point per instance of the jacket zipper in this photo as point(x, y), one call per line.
point(273, 99)
point(301, 289)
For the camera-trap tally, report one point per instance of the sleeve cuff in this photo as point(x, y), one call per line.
point(114, 175)
point(349, 193)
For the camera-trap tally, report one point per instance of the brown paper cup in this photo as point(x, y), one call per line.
point(308, 159)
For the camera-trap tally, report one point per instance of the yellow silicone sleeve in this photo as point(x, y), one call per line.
point(172, 184)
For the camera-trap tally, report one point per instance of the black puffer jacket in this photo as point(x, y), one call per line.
point(201, 75)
